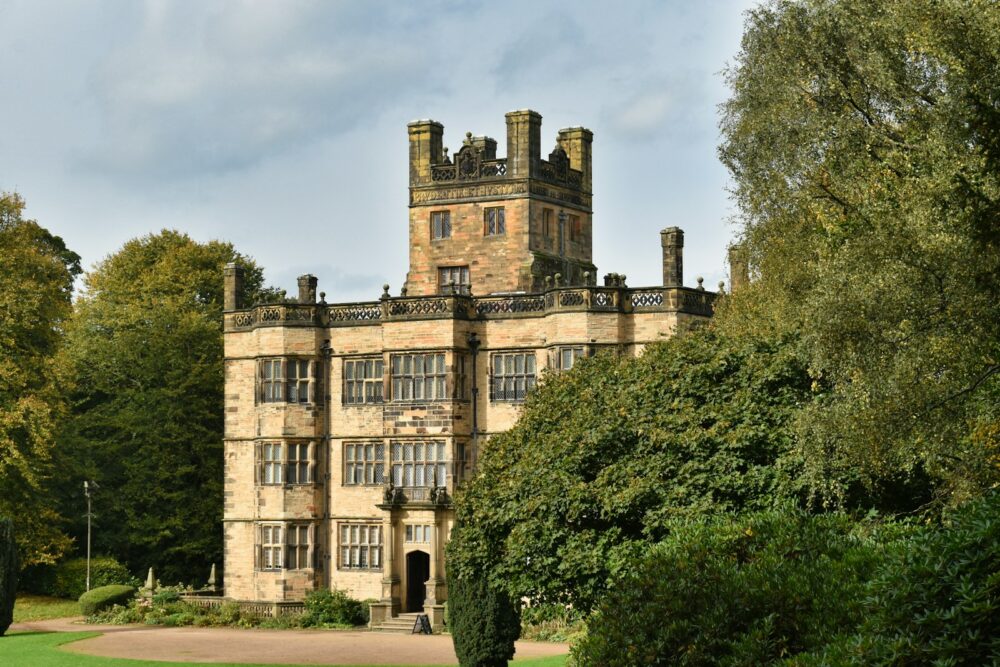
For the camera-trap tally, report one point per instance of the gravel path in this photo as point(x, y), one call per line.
point(304, 647)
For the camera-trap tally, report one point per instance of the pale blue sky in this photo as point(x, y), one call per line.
point(281, 126)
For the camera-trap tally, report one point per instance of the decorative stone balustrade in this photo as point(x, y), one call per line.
point(465, 307)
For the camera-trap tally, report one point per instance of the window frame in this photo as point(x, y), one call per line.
point(407, 471)
point(494, 221)
point(376, 464)
point(368, 548)
point(440, 225)
point(271, 549)
point(575, 227)
point(502, 394)
point(403, 373)
point(275, 380)
point(355, 384)
point(462, 286)
point(265, 465)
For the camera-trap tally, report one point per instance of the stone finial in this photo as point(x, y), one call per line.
point(322, 298)
point(548, 282)
point(622, 278)
point(402, 291)
point(211, 580)
point(445, 159)
point(468, 139)
point(558, 280)
point(385, 291)
point(150, 582)
point(701, 283)
point(586, 277)
point(722, 287)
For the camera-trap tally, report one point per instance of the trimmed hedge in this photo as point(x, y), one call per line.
point(68, 578)
point(484, 622)
point(8, 574)
point(97, 599)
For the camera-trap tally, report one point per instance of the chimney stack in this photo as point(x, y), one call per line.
point(739, 268)
point(672, 241)
point(232, 287)
point(307, 288)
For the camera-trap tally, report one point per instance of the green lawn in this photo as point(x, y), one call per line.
point(39, 649)
point(41, 608)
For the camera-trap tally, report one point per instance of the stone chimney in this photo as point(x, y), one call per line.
point(672, 241)
point(232, 287)
point(524, 143)
point(739, 268)
point(307, 288)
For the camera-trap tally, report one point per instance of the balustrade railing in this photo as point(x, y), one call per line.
point(462, 306)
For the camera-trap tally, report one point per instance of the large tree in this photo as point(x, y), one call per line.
point(36, 285)
point(605, 456)
point(863, 139)
point(147, 424)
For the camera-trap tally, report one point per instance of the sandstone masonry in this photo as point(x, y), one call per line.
point(349, 426)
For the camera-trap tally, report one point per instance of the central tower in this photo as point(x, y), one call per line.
point(486, 225)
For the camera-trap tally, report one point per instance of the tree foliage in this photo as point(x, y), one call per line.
point(749, 590)
point(8, 573)
point(146, 353)
point(483, 620)
point(863, 139)
point(605, 456)
point(36, 283)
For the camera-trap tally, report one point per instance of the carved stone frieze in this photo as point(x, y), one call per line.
point(484, 190)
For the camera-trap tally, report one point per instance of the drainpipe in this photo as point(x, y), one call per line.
point(326, 351)
point(474, 343)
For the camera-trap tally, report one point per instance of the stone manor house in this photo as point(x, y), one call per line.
point(349, 426)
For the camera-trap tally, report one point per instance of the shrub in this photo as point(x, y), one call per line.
point(551, 623)
point(748, 590)
point(97, 599)
point(166, 596)
point(937, 602)
point(8, 574)
point(68, 579)
point(333, 607)
point(484, 622)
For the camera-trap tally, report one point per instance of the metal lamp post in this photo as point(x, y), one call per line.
point(87, 486)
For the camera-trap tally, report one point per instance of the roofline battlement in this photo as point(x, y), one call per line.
point(568, 165)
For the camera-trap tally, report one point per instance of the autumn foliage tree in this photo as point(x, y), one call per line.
point(863, 140)
point(36, 284)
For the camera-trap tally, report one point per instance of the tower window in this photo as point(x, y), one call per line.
point(575, 229)
point(493, 221)
point(453, 280)
point(441, 224)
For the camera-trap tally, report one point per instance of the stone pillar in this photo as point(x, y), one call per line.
point(425, 149)
point(739, 267)
point(576, 141)
point(433, 605)
point(524, 143)
point(672, 241)
point(388, 606)
point(307, 288)
point(232, 279)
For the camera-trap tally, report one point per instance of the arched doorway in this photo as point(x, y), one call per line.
point(418, 571)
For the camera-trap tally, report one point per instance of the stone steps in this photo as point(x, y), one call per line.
point(402, 624)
